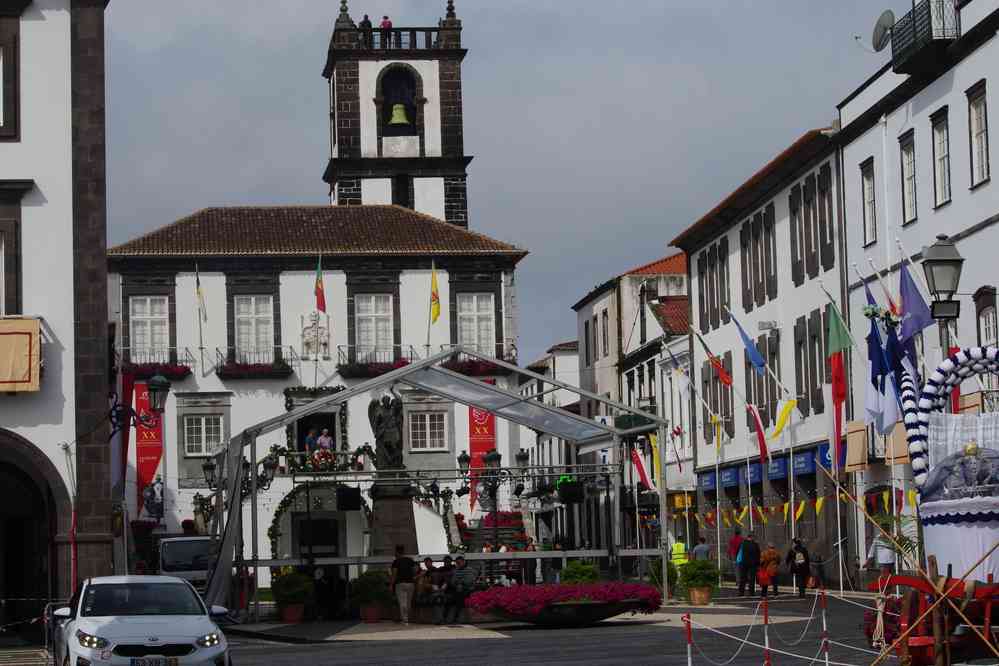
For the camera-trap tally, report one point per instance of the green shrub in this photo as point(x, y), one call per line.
point(656, 573)
point(698, 573)
point(292, 589)
point(577, 571)
point(371, 588)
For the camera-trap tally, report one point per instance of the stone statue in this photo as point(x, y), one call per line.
point(385, 416)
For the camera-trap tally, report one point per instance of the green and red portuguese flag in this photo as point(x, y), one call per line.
point(837, 342)
point(320, 291)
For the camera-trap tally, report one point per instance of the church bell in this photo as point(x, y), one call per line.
point(399, 116)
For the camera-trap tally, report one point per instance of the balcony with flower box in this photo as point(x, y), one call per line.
point(474, 366)
point(272, 363)
point(367, 361)
point(174, 363)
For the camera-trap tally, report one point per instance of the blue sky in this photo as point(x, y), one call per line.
point(599, 129)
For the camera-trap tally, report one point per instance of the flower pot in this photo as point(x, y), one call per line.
point(292, 613)
point(371, 614)
point(699, 596)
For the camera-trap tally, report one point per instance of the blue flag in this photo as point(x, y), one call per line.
point(880, 403)
point(915, 313)
point(754, 354)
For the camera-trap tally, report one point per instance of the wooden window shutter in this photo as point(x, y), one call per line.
point(706, 372)
point(713, 286)
point(801, 385)
point(750, 385)
point(810, 228)
point(797, 263)
point(816, 360)
point(723, 280)
point(762, 401)
point(726, 393)
point(759, 290)
point(770, 247)
point(826, 224)
point(746, 262)
point(773, 343)
point(702, 303)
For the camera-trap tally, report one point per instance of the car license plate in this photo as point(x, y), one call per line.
point(154, 661)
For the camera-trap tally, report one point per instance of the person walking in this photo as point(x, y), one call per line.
point(402, 581)
point(800, 564)
point(461, 585)
point(386, 31)
point(701, 551)
point(749, 561)
point(769, 563)
point(734, 544)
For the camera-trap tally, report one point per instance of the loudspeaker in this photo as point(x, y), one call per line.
point(348, 498)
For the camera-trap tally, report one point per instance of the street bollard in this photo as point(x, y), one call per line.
point(766, 632)
point(690, 640)
point(825, 627)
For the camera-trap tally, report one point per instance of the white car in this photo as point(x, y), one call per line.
point(138, 621)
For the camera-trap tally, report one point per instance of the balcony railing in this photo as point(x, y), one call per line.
point(397, 39)
point(270, 363)
point(366, 361)
point(143, 362)
point(475, 366)
point(919, 36)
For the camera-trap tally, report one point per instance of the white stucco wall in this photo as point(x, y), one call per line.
point(600, 376)
point(428, 196)
point(376, 191)
point(43, 154)
point(429, 71)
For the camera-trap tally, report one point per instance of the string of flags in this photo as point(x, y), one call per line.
point(739, 516)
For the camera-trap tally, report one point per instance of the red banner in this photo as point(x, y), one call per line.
point(148, 445)
point(481, 440)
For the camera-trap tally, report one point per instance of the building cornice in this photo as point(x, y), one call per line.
point(386, 167)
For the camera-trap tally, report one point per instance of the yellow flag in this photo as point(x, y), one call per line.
point(697, 517)
point(800, 510)
point(886, 498)
point(818, 505)
point(786, 506)
point(912, 498)
point(657, 464)
point(435, 297)
point(717, 424)
point(742, 515)
point(787, 406)
point(725, 518)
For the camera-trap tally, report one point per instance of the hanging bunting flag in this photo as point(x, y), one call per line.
point(715, 362)
point(760, 514)
point(912, 498)
point(755, 357)
point(697, 517)
point(717, 424)
point(800, 510)
point(843, 497)
point(742, 515)
point(709, 518)
point(636, 460)
point(886, 499)
point(818, 505)
point(786, 407)
point(726, 519)
point(761, 437)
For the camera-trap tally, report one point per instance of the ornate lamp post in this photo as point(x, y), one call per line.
point(492, 480)
point(942, 264)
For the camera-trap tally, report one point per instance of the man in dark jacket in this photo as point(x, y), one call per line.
point(749, 562)
point(800, 564)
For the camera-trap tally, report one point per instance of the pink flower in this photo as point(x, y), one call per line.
point(530, 600)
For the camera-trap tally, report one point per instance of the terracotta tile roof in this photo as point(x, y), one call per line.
point(674, 264)
point(310, 230)
point(806, 148)
point(567, 346)
point(673, 314)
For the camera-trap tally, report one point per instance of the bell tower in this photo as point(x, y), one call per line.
point(396, 132)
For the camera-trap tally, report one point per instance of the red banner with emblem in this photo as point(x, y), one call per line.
point(481, 440)
point(148, 446)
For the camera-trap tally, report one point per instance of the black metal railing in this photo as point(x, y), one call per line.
point(240, 363)
point(376, 354)
point(144, 362)
point(931, 21)
point(400, 39)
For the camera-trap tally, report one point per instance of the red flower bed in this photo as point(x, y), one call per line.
point(530, 600)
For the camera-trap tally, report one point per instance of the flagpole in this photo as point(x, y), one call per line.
point(430, 305)
point(201, 315)
point(718, 455)
point(315, 369)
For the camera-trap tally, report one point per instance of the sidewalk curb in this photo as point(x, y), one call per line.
point(274, 638)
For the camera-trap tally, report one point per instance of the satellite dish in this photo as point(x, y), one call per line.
point(882, 30)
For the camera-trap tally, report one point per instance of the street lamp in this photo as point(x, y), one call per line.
point(159, 389)
point(464, 460)
point(523, 460)
point(942, 264)
point(208, 469)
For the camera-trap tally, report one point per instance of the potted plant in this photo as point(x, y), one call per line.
point(370, 593)
point(699, 578)
point(292, 593)
point(577, 571)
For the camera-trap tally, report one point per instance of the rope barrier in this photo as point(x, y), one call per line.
point(802, 636)
point(864, 606)
point(859, 649)
point(746, 642)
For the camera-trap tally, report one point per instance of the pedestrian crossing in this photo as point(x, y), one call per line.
point(23, 657)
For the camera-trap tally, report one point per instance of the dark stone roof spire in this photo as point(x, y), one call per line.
point(450, 10)
point(343, 21)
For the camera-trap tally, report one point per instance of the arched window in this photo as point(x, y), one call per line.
point(398, 93)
